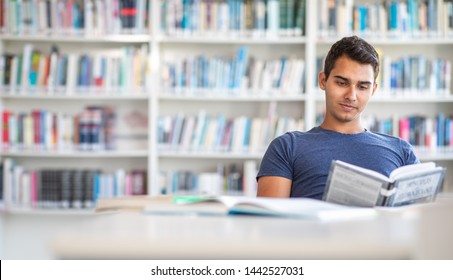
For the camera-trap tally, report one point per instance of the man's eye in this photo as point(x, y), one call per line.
point(363, 87)
point(341, 83)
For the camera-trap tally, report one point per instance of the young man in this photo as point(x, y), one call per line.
point(297, 164)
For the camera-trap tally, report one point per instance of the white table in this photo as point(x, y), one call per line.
point(138, 236)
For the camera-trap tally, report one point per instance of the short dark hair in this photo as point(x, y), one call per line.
point(356, 49)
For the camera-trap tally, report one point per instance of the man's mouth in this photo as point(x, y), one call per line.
point(347, 107)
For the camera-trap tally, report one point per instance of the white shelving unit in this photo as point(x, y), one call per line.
point(73, 102)
point(161, 101)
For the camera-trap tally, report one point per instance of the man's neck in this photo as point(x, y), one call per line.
point(346, 129)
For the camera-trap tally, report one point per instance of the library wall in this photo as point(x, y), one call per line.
point(240, 68)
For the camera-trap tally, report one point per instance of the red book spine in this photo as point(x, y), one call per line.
point(2, 9)
point(451, 136)
point(46, 71)
point(5, 127)
point(76, 139)
point(404, 129)
point(36, 117)
point(34, 189)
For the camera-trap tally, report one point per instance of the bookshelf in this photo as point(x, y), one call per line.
point(189, 56)
point(96, 90)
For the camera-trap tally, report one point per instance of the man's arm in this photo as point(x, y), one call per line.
point(274, 186)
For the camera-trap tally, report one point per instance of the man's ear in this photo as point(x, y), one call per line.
point(322, 80)
point(374, 88)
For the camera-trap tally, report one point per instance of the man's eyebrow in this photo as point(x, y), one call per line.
point(348, 80)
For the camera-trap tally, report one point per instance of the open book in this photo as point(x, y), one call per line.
point(356, 186)
point(305, 208)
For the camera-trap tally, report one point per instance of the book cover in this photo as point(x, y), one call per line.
point(349, 184)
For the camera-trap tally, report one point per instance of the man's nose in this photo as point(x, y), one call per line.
point(351, 93)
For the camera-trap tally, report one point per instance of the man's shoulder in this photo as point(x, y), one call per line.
point(390, 140)
point(291, 138)
point(292, 135)
point(384, 137)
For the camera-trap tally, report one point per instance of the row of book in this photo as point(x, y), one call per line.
point(236, 179)
point(257, 18)
point(66, 188)
point(74, 17)
point(412, 75)
point(92, 129)
point(239, 72)
point(382, 18)
point(218, 133)
point(126, 72)
point(123, 71)
point(421, 131)
point(417, 72)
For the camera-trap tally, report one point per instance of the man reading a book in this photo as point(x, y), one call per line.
point(297, 164)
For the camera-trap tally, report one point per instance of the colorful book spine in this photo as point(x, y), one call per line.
point(219, 133)
point(75, 17)
point(65, 188)
point(93, 129)
point(393, 18)
point(255, 18)
point(418, 130)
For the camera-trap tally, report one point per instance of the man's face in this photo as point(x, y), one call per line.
point(348, 89)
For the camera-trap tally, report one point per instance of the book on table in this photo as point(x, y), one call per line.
point(349, 184)
point(302, 208)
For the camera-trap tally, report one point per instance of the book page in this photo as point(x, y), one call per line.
point(301, 207)
point(350, 187)
point(408, 170)
point(362, 170)
point(304, 208)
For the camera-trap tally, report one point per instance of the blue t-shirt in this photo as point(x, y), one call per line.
point(306, 157)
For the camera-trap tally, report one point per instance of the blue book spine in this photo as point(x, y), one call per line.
point(64, 74)
point(412, 124)
point(18, 16)
point(185, 22)
point(393, 75)
point(205, 72)
point(59, 70)
point(33, 19)
point(440, 129)
point(432, 15)
point(230, 70)
point(399, 73)
point(406, 72)
point(89, 74)
point(75, 16)
point(282, 70)
point(421, 79)
point(174, 182)
point(248, 124)
point(393, 24)
point(97, 187)
point(43, 127)
point(241, 66)
point(412, 10)
point(447, 131)
point(83, 70)
point(363, 17)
